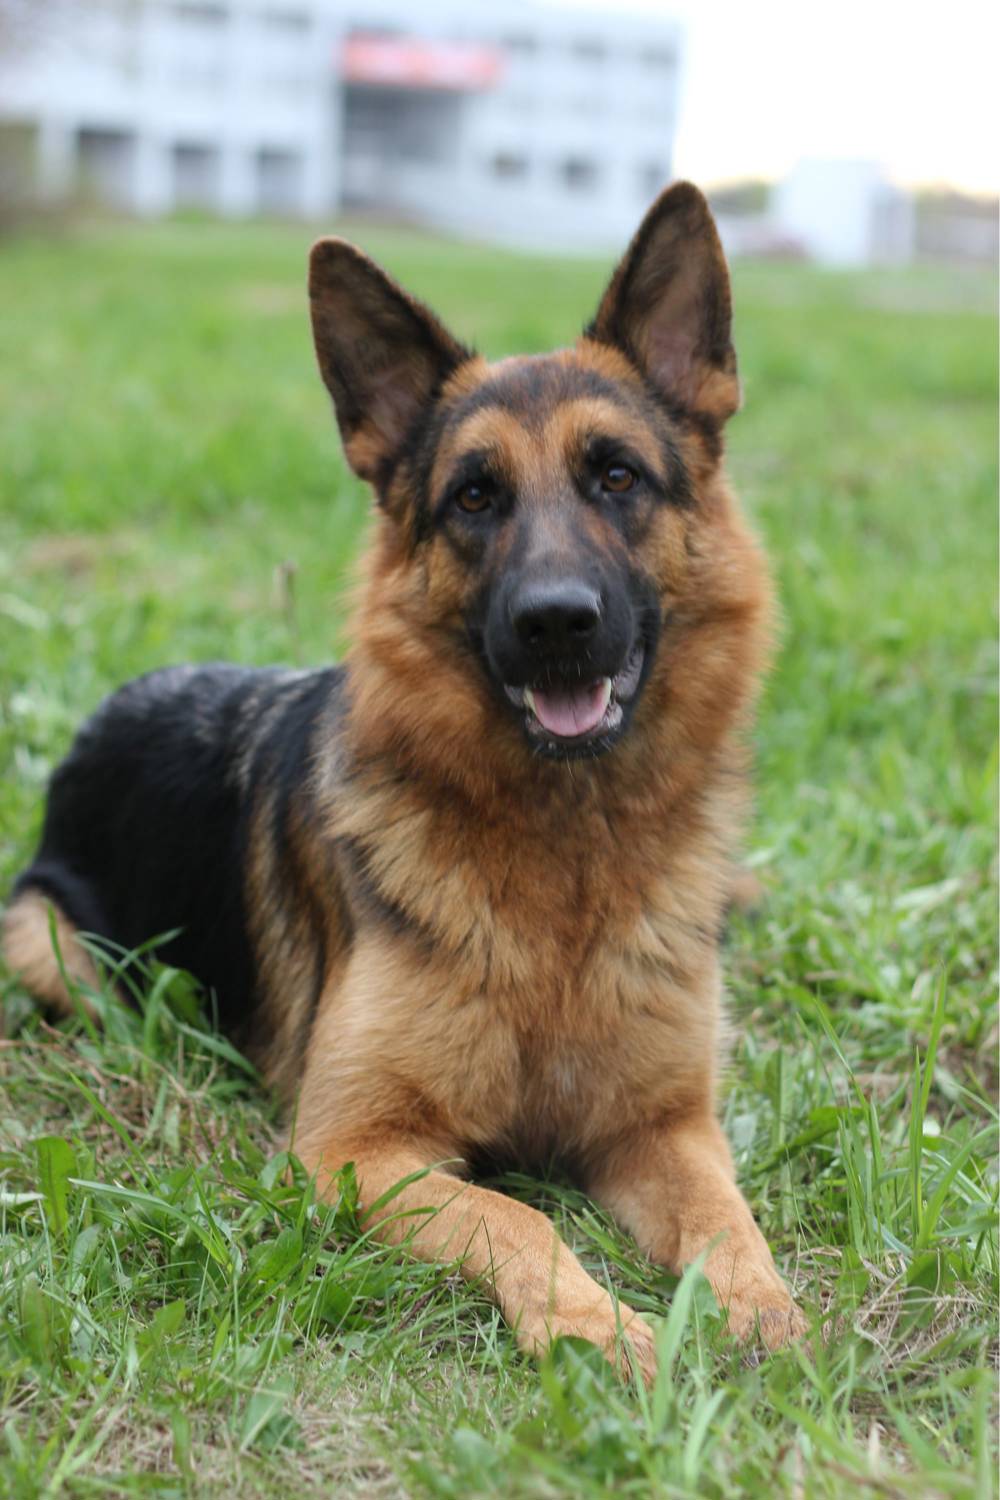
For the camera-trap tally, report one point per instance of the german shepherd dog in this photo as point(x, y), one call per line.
point(462, 895)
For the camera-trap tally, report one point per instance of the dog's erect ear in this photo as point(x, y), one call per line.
point(668, 306)
point(382, 355)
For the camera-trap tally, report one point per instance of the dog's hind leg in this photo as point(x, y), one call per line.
point(42, 965)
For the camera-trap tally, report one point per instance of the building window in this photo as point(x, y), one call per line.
point(288, 84)
point(285, 53)
point(509, 166)
point(196, 175)
point(589, 49)
point(109, 39)
point(196, 13)
point(196, 47)
point(519, 105)
point(285, 22)
point(521, 44)
point(279, 181)
point(359, 32)
point(661, 59)
point(105, 165)
point(18, 161)
point(578, 174)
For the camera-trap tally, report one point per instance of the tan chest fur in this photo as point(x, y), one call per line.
point(548, 980)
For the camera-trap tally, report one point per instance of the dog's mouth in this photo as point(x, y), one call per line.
point(560, 715)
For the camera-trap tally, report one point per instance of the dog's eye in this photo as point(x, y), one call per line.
point(618, 478)
point(473, 498)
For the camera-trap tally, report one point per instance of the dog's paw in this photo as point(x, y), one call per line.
point(773, 1317)
point(629, 1344)
point(625, 1340)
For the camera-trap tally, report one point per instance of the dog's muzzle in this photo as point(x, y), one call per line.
point(579, 713)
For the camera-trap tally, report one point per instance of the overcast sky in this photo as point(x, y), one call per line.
point(911, 85)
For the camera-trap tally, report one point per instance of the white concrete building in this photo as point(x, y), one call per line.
point(844, 213)
point(509, 121)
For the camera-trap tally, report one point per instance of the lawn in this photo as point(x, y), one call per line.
point(177, 1315)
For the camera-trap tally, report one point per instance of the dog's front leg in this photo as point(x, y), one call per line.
point(672, 1186)
point(540, 1286)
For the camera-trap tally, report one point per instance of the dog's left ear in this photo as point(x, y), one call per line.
point(382, 354)
point(668, 306)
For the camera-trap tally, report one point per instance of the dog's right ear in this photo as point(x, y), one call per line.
point(382, 355)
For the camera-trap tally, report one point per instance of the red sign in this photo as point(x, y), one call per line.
point(404, 62)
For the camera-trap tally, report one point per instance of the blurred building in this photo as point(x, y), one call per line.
point(957, 226)
point(847, 213)
point(844, 213)
point(510, 121)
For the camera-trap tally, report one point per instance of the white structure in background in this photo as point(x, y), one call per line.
point(844, 213)
point(499, 118)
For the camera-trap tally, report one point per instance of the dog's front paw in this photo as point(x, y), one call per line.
point(771, 1314)
point(625, 1340)
point(632, 1347)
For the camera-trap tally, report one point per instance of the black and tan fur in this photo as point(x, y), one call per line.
point(445, 931)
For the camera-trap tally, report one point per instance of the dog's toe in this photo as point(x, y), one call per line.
point(777, 1321)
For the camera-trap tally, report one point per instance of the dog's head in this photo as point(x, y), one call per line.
point(551, 515)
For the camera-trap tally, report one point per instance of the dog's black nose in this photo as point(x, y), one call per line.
point(558, 618)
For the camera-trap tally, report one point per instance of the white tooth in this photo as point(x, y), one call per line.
point(529, 699)
point(605, 693)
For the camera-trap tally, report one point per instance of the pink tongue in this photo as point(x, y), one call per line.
point(570, 711)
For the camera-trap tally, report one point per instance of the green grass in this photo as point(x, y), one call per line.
point(176, 1314)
